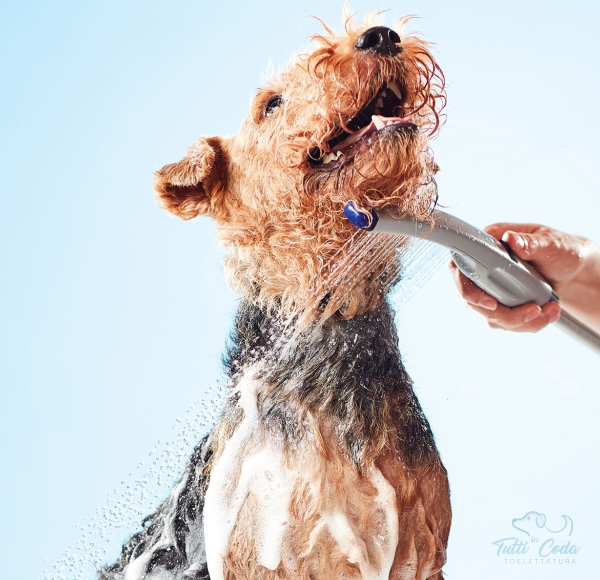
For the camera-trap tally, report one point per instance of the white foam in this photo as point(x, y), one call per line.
point(241, 471)
point(353, 546)
point(222, 501)
point(387, 538)
point(244, 470)
point(347, 540)
point(273, 485)
point(136, 569)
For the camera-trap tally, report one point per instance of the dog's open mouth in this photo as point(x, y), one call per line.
point(383, 113)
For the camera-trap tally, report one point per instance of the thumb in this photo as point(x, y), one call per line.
point(525, 246)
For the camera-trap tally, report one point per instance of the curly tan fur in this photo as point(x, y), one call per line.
point(322, 465)
point(281, 219)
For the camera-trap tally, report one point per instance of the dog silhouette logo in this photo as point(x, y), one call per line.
point(535, 523)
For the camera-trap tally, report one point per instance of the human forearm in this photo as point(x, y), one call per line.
point(581, 295)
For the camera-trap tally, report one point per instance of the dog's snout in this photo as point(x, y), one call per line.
point(379, 40)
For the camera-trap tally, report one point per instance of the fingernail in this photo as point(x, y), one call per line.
point(487, 303)
point(532, 315)
point(519, 241)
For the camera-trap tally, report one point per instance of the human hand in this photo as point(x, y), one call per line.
point(556, 255)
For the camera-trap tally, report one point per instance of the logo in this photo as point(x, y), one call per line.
point(536, 541)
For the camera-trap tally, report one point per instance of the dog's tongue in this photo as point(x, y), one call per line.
point(377, 123)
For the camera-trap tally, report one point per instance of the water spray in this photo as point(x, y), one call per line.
point(488, 262)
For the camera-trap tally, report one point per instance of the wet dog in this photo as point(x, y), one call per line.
point(322, 464)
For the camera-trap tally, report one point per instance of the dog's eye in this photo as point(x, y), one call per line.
point(272, 105)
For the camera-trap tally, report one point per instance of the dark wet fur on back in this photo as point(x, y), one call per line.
point(179, 519)
point(348, 370)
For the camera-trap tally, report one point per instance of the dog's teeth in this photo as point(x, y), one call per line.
point(393, 86)
point(331, 157)
point(379, 124)
point(379, 103)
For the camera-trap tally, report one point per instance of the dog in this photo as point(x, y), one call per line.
point(322, 464)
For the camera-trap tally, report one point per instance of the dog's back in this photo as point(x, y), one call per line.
point(326, 467)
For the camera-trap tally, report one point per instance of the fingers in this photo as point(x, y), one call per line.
point(525, 318)
point(498, 229)
point(525, 240)
point(556, 255)
point(525, 246)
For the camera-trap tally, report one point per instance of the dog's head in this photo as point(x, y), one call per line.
point(349, 121)
point(530, 522)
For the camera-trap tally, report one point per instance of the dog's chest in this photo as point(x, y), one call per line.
point(295, 512)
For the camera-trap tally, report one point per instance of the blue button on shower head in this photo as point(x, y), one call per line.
point(359, 219)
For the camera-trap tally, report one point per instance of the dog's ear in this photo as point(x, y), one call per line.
point(194, 185)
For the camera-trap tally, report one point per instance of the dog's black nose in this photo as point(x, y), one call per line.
point(379, 40)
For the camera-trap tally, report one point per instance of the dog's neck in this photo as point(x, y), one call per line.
point(346, 374)
point(338, 355)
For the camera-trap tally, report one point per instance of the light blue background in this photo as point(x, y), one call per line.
point(114, 314)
